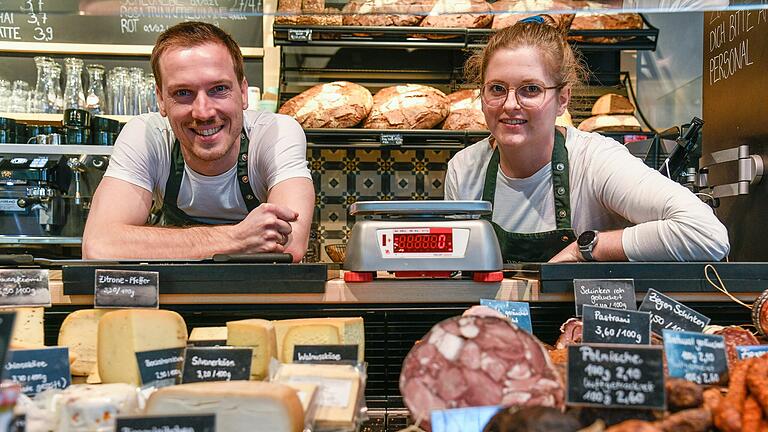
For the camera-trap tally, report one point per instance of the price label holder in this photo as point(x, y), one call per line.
point(126, 289)
point(299, 35)
point(696, 357)
point(391, 139)
point(36, 370)
point(6, 330)
point(518, 312)
point(668, 313)
point(191, 423)
point(24, 287)
point(160, 368)
point(471, 419)
point(216, 364)
point(617, 376)
point(325, 354)
point(616, 326)
point(606, 293)
point(750, 351)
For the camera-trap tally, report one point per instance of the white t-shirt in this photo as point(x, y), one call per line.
point(277, 151)
point(610, 189)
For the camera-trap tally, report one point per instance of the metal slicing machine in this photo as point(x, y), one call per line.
point(422, 239)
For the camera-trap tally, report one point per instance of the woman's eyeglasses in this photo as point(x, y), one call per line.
point(528, 95)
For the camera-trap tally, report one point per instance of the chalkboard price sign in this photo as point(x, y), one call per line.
point(607, 293)
point(668, 313)
point(216, 364)
point(199, 423)
point(619, 376)
point(696, 357)
point(38, 369)
point(160, 368)
point(604, 325)
point(24, 287)
point(126, 289)
point(517, 312)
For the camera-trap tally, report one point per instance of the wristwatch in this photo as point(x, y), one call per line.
point(587, 242)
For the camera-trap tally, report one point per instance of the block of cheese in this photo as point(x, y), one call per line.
point(28, 329)
point(208, 334)
point(123, 333)
point(259, 335)
point(238, 405)
point(306, 393)
point(79, 333)
point(319, 331)
point(339, 388)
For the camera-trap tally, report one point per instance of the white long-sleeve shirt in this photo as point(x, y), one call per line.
point(610, 189)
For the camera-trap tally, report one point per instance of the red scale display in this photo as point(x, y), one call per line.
point(423, 242)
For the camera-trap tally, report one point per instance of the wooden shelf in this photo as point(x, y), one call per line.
point(96, 49)
point(53, 118)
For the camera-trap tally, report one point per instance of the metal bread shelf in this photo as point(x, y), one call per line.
point(392, 138)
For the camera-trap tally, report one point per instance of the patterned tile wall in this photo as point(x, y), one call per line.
point(345, 175)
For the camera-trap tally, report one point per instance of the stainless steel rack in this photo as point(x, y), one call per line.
point(392, 138)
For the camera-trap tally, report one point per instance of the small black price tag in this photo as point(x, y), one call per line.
point(325, 353)
point(606, 293)
point(615, 326)
point(196, 423)
point(6, 330)
point(126, 289)
point(300, 35)
point(24, 287)
point(670, 314)
point(160, 368)
point(216, 364)
point(619, 376)
point(38, 369)
point(391, 139)
point(696, 357)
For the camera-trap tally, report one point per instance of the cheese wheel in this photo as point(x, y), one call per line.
point(319, 331)
point(238, 405)
point(79, 333)
point(28, 330)
point(208, 334)
point(257, 334)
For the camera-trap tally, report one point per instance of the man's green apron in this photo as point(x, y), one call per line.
point(171, 215)
point(541, 246)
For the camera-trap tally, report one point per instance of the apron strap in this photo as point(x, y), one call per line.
point(561, 183)
point(246, 191)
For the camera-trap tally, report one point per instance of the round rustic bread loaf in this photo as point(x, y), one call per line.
point(597, 21)
point(605, 122)
point(459, 13)
point(386, 12)
point(411, 106)
point(612, 103)
point(466, 111)
point(518, 9)
point(338, 104)
point(328, 17)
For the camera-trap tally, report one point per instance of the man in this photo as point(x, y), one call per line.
point(217, 178)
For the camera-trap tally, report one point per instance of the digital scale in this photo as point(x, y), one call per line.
point(422, 239)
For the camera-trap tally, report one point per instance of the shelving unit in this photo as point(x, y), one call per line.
point(24, 149)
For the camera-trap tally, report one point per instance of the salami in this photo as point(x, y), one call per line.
point(734, 336)
point(477, 361)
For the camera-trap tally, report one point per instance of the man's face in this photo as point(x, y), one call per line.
point(204, 104)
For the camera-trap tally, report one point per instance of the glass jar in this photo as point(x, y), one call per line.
point(5, 95)
point(19, 96)
point(41, 103)
point(149, 91)
point(55, 97)
point(137, 90)
point(117, 90)
point(94, 101)
point(74, 97)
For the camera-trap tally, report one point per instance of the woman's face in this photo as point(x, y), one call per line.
point(513, 125)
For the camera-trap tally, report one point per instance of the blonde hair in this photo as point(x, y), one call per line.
point(563, 64)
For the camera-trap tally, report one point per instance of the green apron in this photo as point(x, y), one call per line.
point(171, 215)
point(541, 246)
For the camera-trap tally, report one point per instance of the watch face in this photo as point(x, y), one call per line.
point(586, 238)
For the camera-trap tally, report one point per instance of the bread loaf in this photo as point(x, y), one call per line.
point(312, 6)
point(459, 14)
point(597, 21)
point(386, 12)
point(526, 8)
point(612, 103)
point(466, 111)
point(338, 104)
point(410, 106)
point(307, 12)
point(604, 122)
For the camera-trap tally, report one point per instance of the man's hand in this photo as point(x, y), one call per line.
point(266, 229)
point(569, 254)
point(609, 247)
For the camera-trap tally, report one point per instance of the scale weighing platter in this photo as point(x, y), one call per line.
point(422, 239)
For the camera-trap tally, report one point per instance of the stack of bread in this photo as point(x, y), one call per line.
point(611, 112)
point(307, 12)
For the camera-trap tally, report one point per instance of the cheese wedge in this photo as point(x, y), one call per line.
point(94, 407)
point(319, 331)
point(208, 334)
point(123, 333)
point(238, 405)
point(337, 395)
point(257, 334)
point(28, 330)
point(79, 332)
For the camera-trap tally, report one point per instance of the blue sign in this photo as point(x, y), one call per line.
point(36, 370)
point(471, 419)
point(696, 357)
point(518, 312)
point(749, 351)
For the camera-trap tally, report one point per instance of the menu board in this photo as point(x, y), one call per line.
point(126, 22)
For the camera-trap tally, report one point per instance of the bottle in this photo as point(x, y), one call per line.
point(55, 98)
point(95, 99)
point(41, 103)
point(74, 97)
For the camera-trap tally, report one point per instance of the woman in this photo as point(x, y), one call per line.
point(550, 183)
